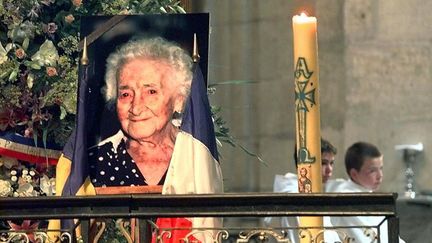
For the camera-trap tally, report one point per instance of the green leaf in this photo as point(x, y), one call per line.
point(30, 79)
point(236, 82)
point(63, 112)
point(13, 75)
point(3, 54)
point(251, 154)
point(35, 66)
point(26, 43)
point(180, 9)
point(228, 141)
point(3, 75)
point(145, 3)
point(163, 10)
point(44, 137)
point(35, 139)
point(8, 47)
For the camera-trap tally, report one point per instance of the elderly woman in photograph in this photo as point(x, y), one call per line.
point(148, 81)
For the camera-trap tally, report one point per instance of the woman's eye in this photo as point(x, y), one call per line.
point(152, 91)
point(124, 95)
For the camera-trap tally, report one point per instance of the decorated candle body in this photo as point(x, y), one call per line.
point(308, 134)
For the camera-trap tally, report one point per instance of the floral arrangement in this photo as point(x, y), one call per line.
point(21, 179)
point(39, 60)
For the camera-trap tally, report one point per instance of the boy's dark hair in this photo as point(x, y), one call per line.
point(327, 147)
point(358, 153)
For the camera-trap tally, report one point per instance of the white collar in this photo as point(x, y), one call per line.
point(114, 139)
point(358, 187)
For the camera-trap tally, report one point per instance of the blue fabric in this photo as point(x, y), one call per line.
point(197, 118)
point(76, 147)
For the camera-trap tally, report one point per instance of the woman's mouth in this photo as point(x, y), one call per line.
point(138, 119)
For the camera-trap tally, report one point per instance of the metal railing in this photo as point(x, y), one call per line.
point(147, 207)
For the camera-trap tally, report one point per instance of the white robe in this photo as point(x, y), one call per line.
point(288, 183)
point(349, 186)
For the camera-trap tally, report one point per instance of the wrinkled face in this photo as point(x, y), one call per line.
point(146, 98)
point(370, 175)
point(327, 162)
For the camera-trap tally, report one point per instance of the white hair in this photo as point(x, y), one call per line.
point(154, 48)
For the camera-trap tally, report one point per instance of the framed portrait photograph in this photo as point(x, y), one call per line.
point(137, 83)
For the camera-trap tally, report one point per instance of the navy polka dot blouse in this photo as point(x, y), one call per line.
point(109, 167)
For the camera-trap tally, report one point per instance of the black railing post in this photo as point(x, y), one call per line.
point(144, 231)
point(393, 229)
point(85, 229)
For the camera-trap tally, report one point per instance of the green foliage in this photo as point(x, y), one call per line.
point(113, 234)
point(39, 60)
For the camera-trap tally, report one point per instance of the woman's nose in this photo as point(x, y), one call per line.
point(137, 106)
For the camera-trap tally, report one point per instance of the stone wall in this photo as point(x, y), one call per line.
point(375, 76)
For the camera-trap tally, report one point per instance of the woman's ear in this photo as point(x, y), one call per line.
point(178, 111)
point(179, 103)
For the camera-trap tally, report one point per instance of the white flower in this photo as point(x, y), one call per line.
point(53, 184)
point(13, 172)
point(3, 54)
point(5, 188)
point(26, 190)
point(47, 185)
point(27, 178)
point(24, 172)
point(32, 173)
point(47, 54)
point(14, 178)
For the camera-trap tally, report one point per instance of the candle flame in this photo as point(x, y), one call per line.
point(304, 18)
